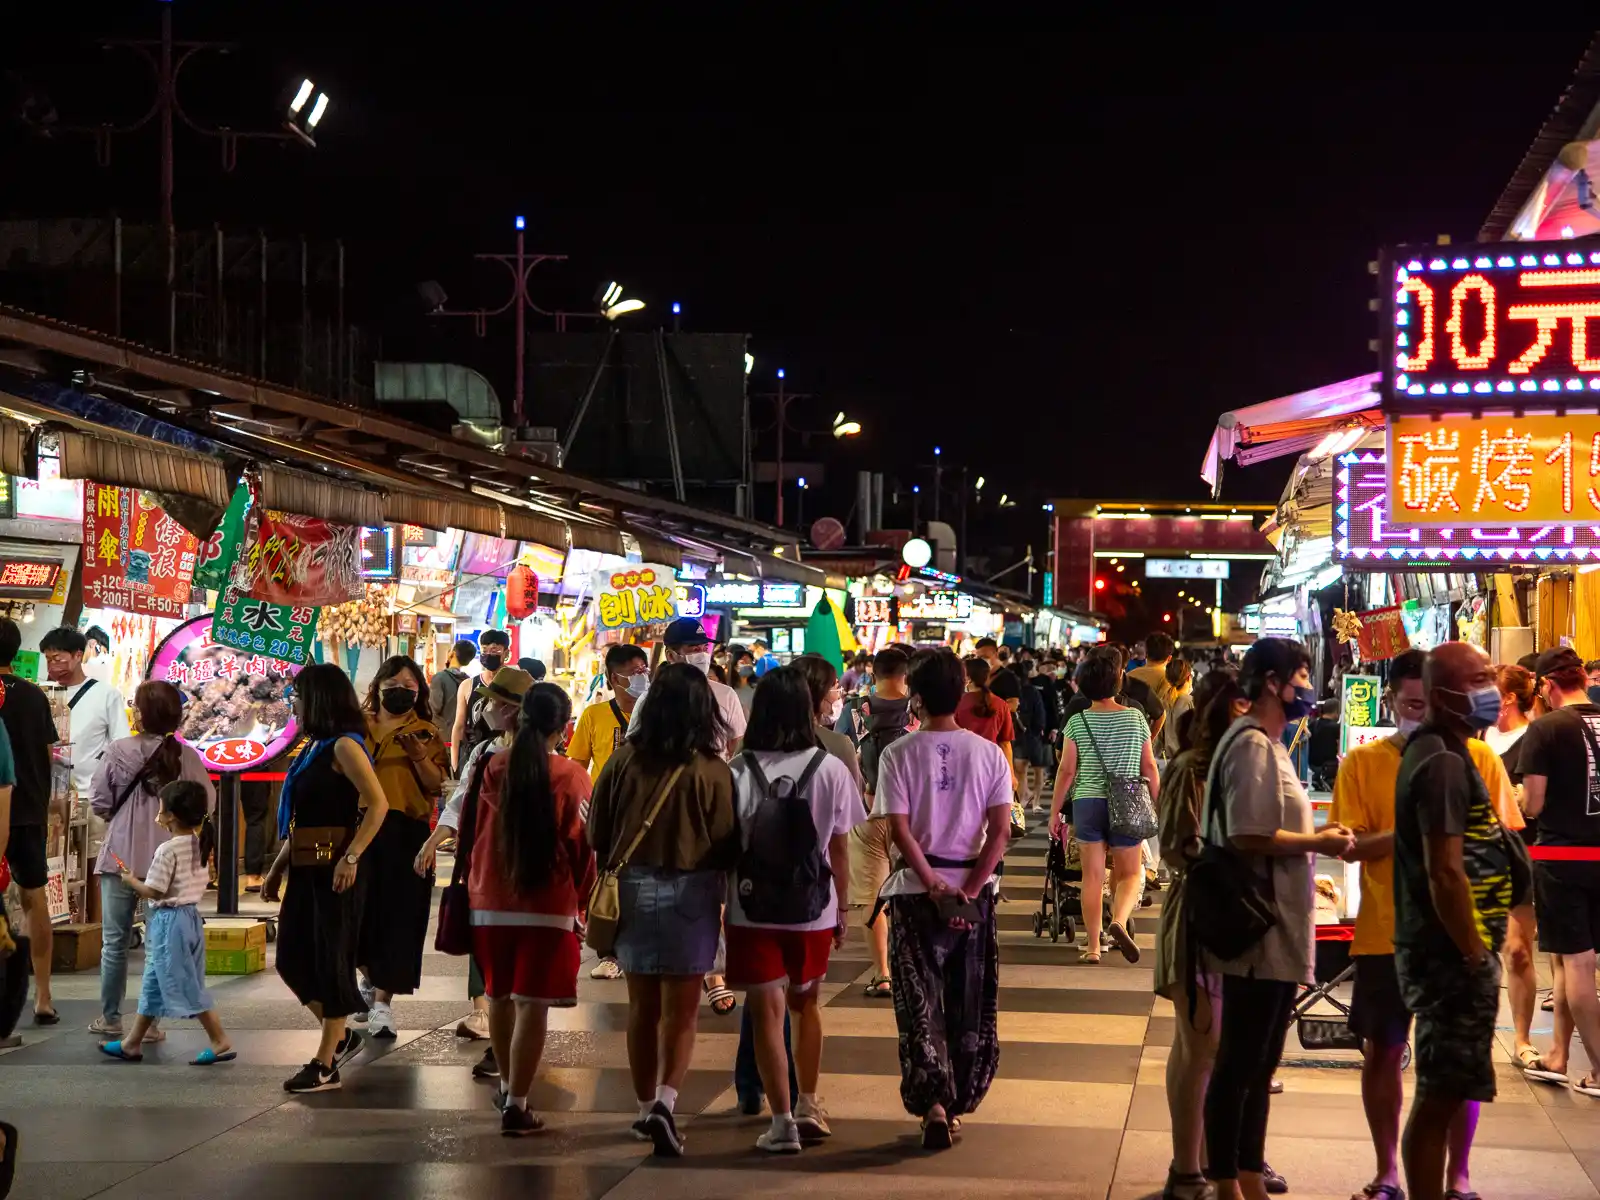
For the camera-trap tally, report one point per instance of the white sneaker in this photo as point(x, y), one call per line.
point(380, 1021)
point(369, 994)
point(606, 968)
point(812, 1119)
point(784, 1139)
point(474, 1028)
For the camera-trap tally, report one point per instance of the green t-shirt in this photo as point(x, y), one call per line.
point(1119, 736)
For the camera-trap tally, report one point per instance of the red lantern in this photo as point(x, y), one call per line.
point(522, 592)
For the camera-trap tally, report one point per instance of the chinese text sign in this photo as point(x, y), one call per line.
point(135, 557)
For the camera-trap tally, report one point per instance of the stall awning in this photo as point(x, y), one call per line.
point(1289, 424)
point(657, 550)
point(315, 496)
point(142, 464)
point(13, 444)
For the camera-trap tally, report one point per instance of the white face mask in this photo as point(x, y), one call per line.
point(700, 660)
point(830, 713)
point(1408, 725)
point(638, 685)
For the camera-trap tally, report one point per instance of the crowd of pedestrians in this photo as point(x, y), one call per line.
point(704, 836)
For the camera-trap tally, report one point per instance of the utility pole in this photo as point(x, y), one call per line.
point(961, 541)
point(166, 59)
point(521, 265)
point(783, 398)
point(937, 462)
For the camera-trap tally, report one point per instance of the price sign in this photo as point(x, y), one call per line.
point(135, 557)
point(1501, 323)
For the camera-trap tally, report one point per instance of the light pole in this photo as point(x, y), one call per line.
point(916, 498)
point(800, 504)
point(842, 428)
point(166, 59)
point(937, 460)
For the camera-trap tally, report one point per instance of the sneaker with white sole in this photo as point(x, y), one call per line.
point(369, 994)
point(812, 1119)
point(313, 1077)
point(606, 968)
point(475, 1027)
point(519, 1122)
point(101, 1027)
point(380, 1021)
point(486, 1067)
point(780, 1139)
point(663, 1131)
point(349, 1046)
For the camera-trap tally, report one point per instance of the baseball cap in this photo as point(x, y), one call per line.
point(685, 631)
point(1558, 659)
point(509, 685)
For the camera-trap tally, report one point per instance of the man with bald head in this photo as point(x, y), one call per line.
point(1453, 885)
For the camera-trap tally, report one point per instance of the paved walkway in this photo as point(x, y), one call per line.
point(1078, 1109)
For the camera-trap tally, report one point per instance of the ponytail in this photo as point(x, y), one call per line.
point(166, 765)
point(978, 676)
point(526, 829)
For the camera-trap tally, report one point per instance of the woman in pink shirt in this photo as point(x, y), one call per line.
point(529, 876)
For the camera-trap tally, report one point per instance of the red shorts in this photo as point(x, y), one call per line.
point(528, 962)
point(763, 956)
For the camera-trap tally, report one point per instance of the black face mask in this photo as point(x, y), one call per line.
point(491, 662)
point(397, 700)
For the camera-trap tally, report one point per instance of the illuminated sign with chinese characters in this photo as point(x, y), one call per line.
point(1466, 470)
point(1186, 568)
point(936, 606)
point(1476, 324)
point(873, 610)
point(28, 578)
point(1364, 535)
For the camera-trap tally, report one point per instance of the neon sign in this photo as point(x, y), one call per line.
point(1474, 324)
point(874, 610)
point(937, 606)
point(1363, 533)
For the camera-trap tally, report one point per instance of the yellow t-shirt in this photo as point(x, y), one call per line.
point(1363, 799)
point(598, 734)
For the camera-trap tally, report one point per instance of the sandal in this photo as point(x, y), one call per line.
point(937, 1135)
point(722, 1000)
point(115, 1050)
point(1588, 1087)
point(1185, 1187)
point(880, 988)
point(1382, 1191)
point(209, 1057)
point(1453, 1194)
point(1092, 960)
point(1533, 1068)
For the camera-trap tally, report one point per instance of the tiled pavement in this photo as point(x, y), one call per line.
point(1078, 1109)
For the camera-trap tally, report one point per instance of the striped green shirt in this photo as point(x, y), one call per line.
point(1120, 737)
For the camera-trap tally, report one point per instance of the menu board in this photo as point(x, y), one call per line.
point(135, 557)
point(236, 713)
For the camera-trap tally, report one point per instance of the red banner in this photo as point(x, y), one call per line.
point(302, 560)
point(135, 557)
point(1383, 635)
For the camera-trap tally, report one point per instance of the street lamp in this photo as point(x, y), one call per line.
point(612, 305)
point(843, 428)
point(800, 504)
point(978, 487)
point(306, 110)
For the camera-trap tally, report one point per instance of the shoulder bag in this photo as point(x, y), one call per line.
point(455, 906)
point(133, 784)
point(1127, 797)
point(1228, 906)
point(605, 898)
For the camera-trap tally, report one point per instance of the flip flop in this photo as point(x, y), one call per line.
point(936, 1135)
point(1588, 1087)
point(722, 1000)
point(114, 1050)
point(46, 1018)
point(1453, 1194)
point(1382, 1191)
point(209, 1057)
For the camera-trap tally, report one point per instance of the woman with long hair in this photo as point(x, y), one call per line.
point(1102, 740)
point(1196, 993)
point(1517, 691)
point(985, 714)
point(412, 764)
point(1256, 807)
point(669, 781)
point(527, 883)
point(126, 794)
point(780, 936)
point(325, 834)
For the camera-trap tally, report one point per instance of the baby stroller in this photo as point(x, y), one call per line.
point(1324, 1030)
point(1061, 904)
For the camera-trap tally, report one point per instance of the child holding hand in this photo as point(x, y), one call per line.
point(175, 943)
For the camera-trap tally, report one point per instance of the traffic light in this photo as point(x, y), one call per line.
point(1099, 585)
point(1167, 617)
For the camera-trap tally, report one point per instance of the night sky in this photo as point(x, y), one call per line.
point(1057, 255)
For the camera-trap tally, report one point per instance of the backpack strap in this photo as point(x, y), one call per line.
point(817, 759)
point(754, 767)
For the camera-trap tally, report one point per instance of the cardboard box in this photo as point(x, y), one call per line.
point(236, 962)
point(76, 948)
point(232, 933)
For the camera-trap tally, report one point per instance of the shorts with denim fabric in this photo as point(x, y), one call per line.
point(1091, 822)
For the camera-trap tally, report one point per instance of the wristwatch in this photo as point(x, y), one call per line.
point(352, 859)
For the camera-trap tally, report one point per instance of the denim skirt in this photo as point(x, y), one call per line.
point(670, 920)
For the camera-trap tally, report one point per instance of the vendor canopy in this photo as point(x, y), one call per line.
point(1289, 424)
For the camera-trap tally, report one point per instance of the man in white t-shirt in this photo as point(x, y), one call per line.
point(946, 794)
point(788, 898)
point(685, 641)
point(99, 713)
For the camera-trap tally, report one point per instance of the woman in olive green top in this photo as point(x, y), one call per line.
point(671, 888)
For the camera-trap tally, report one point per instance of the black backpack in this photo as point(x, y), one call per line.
point(783, 875)
point(879, 736)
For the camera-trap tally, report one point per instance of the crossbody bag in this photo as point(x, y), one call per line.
point(1127, 797)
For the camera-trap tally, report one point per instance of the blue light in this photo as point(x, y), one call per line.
point(1505, 385)
point(1437, 264)
point(1505, 260)
point(1574, 259)
point(936, 452)
point(1552, 260)
point(1482, 262)
point(1459, 264)
point(1481, 387)
point(1401, 380)
point(1574, 385)
point(916, 488)
point(1401, 340)
point(676, 308)
point(1528, 260)
point(1414, 265)
point(1529, 385)
point(802, 481)
point(522, 222)
point(780, 372)
point(1402, 317)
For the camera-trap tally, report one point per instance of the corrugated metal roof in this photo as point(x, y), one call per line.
point(1574, 117)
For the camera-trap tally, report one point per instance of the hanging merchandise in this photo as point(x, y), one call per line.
point(218, 551)
point(300, 560)
point(522, 592)
point(236, 710)
point(361, 623)
point(1382, 635)
point(1473, 622)
point(1346, 626)
point(135, 557)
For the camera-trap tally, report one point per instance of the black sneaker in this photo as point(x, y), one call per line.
point(518, 1122)
point(486, 1067)
point(313, 1077)
point(501, 1100)
point(349, 1046)
point(663, 1131)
